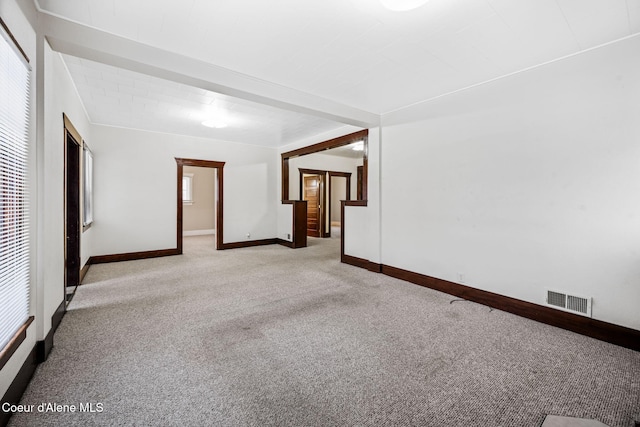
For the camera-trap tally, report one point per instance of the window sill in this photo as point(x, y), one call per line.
point(15, 342)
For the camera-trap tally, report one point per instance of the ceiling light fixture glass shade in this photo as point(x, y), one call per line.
point(358, 146)
point(217, 124)
point(401, 5)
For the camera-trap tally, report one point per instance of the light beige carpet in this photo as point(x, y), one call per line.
point(270, 336)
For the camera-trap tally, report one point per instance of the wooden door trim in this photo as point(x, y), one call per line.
point(69, 130)
point(362, 135)
point(219, 166)
point(304, 171)
point(321, 198)
point(323, 146)
point(326, 213)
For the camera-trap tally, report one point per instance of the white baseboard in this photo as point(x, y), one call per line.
point(198, 232)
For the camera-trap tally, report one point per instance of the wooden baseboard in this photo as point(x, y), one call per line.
point(285, 243)
point(38, 354)
point(131, 256)
point(58, 315)
point(608, 332)
point(19, 385)
point(604, 331)
point(376, 268)
point(362, 263)
point(249, 243)
point(43, 348)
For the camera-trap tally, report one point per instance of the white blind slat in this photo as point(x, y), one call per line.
point(14, 190)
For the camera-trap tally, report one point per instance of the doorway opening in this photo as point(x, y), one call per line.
point(72, 226)
point(186, 194)
point(323, 190)
point(199, 195)
point(299, 208)
point(339, 189)
point(313, 194)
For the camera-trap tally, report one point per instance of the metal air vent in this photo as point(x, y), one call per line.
point(571, 303)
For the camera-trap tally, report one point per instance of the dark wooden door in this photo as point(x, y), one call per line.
point(311, 193)
point(72, 216)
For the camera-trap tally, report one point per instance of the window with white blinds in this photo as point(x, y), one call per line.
point(187, 188)
point(14, 189)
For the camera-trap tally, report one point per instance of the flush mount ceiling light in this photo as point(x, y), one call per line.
point(358, 146)
point(216, 124)
point(401, 5)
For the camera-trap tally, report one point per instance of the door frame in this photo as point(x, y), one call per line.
point(326, 195)
point(340, 141)
point(320, 147)
point(71, 134)
point(322, 195)
point(219, 166)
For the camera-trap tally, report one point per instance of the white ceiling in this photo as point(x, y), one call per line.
point(354, 52)
point(117, 97)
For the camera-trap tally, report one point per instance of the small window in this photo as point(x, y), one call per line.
point(87, 181)
point(187, 188)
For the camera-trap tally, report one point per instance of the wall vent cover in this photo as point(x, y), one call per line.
point(570, 303)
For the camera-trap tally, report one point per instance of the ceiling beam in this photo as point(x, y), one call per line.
point(82, 41)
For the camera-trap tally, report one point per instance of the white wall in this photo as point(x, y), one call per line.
point(362, 223)
point(52, 94)
point(199, 216)
point(60, 97)
point(525, 183)
point(356, 232)
point(285, 222)
point(135, 188)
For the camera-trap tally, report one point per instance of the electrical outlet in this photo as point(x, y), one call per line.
point(248, 235)
point(461, 277)
point(288, 236)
